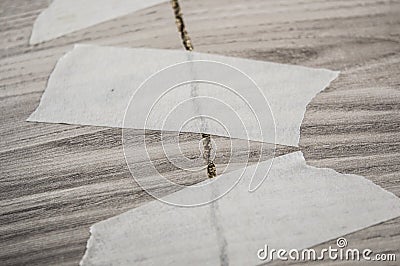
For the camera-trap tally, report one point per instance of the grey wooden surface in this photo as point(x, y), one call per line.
point(57, 180)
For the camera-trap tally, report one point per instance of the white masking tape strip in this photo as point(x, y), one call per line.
point(66, 16)
point(297, 207)
point(93, 85)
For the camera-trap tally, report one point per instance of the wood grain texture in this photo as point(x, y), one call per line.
point(57, 180)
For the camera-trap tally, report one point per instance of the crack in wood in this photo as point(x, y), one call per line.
point(187, 43)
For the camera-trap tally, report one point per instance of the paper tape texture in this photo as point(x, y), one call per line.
point(92, 85)
point(297, 207)
point(66, 16)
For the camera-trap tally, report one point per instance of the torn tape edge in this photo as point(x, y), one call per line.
point(334, 75)
point(302, 161)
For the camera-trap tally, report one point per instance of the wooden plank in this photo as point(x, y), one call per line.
point(57, 180)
